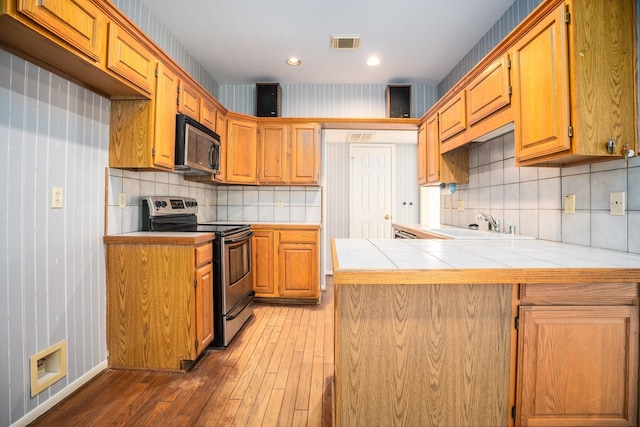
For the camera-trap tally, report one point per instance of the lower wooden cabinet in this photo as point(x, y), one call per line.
point(159, 304)
point(286, 262)
point(578, 364)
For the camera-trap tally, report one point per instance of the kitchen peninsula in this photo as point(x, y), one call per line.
point(492, 332)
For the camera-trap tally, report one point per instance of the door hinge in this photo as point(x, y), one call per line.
point(157, 73)
point(570, 131)
point(516, 323)
point(195, 283)
point(513, 412)
point(510, 90)
point(567, 17)
point(197, 343)
point(153, 151)
point(508, 63)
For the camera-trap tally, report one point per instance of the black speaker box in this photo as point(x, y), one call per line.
point(268, 99)
point(398, 101)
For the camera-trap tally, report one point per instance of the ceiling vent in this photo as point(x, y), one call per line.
point(345, 41)
point(360, 136)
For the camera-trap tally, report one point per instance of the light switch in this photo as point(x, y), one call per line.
point(460, 205)
point(122, 200)
point(616, 203)
point(570, 203)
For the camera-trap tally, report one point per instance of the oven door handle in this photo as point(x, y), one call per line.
point(240, 306)
point(240, 238)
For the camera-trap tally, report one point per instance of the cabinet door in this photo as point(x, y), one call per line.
point(204, 307)
point(453, 117)
point(208, 114)
point(272, 162)
point(577, 365)
point(422, 154)
point(78, 22)
point(165, 118)
point(128, 58)
point(305, 154)
point(432, 150)
point(189, 101)
point(263, 263)
point(540, 82)
point(298, 264)
point(488, 92)
point(241, 151)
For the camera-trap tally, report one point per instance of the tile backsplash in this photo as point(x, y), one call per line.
point(532, 199)
point(216, 202)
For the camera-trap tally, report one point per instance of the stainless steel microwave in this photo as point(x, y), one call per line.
point(197, 148)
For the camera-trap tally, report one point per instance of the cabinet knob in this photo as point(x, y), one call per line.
point(387, 216)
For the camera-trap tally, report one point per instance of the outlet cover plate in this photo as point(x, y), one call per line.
point(617, 203)
point(570, 204)
point(56, 198)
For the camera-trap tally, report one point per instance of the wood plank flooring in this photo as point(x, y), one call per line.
point(277, 372)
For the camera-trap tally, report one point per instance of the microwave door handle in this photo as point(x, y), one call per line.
point(211, 153)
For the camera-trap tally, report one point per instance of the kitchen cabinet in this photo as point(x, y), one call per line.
point(189, 101)
point(142, 133)
point(209, 114)
point(241, 150)
point(159, 303)
point(489, 91)
point(574, 84)
point(578, 355)
point(289, 153)
point(286, 262)
point(79, 23)
point(436, 168)
point(128, 58)
point(453, 117)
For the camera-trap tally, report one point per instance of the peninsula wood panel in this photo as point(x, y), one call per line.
point(422, 354)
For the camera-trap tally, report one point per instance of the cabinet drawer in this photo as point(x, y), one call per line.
point(579, 294)
point(204, 254)
point(298, 236)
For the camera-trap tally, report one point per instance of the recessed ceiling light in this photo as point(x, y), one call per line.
point(293, 61)
point(373, 61)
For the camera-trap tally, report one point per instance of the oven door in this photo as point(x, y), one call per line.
point(237, 277)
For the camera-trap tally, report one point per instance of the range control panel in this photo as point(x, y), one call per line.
point(167, 205)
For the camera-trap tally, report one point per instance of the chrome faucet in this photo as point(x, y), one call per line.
point(494, 224)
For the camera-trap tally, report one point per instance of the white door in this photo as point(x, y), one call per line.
point(371, 190)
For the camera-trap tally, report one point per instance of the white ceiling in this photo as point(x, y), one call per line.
point(247, 41)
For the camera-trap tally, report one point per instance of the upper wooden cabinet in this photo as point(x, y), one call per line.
point(209, 115)
point(79, 23)
point(128, 58)
point(453, 116)
point(289, 153)
point(189, 100)
point(435, 168)
point(142, 132)
point(574, 84)
point(489, 91)
point(241, 151)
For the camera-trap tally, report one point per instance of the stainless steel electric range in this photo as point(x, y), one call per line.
point(232, 282)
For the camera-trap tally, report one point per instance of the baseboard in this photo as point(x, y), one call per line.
point(60, 396)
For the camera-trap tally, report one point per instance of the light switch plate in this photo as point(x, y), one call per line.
point(617, 203)
point(122, 200)
point(570, 203)
point(461, 205)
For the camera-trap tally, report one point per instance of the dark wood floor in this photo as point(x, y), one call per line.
point(277, 372)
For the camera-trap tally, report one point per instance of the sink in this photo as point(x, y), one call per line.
point(468, 234)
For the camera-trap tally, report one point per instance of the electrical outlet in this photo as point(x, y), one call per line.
point(122, 200)
point(570, 204)
point(56, 198)
point(461, 205)
point(280, 203)
point(617, 203)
